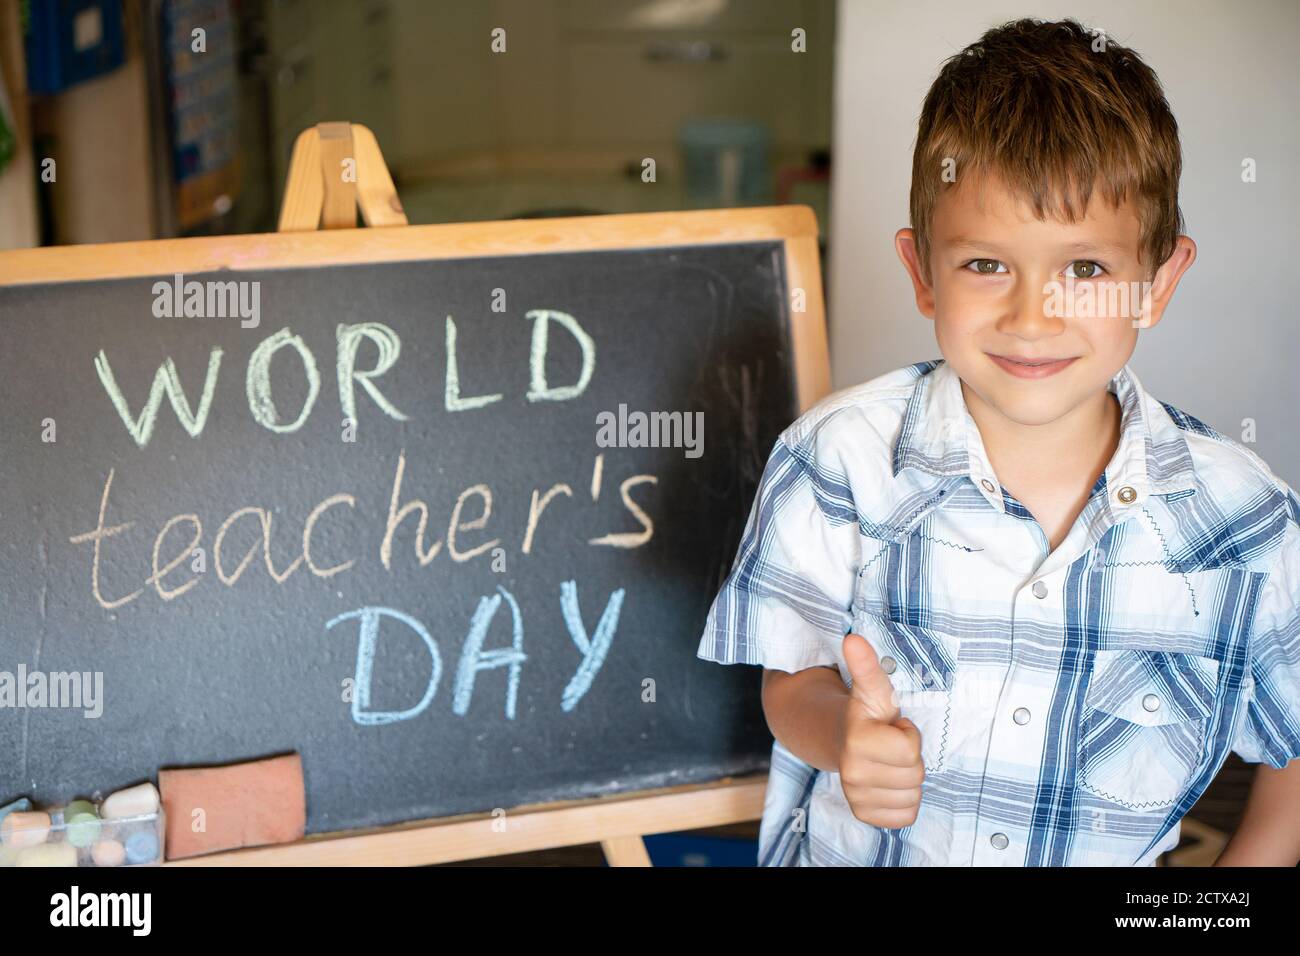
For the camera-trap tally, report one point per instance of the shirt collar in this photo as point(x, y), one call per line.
point(938, 436)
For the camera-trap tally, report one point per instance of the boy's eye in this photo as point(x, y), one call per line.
point(986, 266)
point(1083, 269)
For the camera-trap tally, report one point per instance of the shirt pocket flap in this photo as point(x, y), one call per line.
point(1153, 688)
point(917, 659)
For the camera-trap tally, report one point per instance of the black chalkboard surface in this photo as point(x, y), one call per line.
point(218, 557)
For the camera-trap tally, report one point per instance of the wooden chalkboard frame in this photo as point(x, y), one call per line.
point(617, 822)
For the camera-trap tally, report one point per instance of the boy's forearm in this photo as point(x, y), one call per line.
point(805, 712)
point(1269, 834)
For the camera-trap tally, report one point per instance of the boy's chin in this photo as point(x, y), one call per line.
point(1028, 406)
point(1031, 413)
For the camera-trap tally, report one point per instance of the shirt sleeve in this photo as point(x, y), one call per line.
point(786, 602)
point(1270, 732)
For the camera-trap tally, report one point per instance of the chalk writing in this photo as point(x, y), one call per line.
point(230, 567)
point(258, 385)
point(474, 658)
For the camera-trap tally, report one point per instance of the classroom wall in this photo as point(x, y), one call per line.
point(1227, 348)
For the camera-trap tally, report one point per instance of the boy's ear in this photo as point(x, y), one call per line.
point(1165, 281)
point(905, 245)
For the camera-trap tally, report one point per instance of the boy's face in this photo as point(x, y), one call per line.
point(1010, 301)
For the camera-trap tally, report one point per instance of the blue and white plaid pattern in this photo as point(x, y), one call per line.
point(1073, 705)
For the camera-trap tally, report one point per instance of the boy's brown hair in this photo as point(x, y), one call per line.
point(1054, 110)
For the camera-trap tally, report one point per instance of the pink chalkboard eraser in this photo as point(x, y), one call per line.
point(224, 808)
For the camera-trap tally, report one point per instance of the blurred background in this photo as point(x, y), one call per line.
point(554, 115)
point(140, 119)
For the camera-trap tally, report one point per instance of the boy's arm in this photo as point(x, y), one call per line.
point(1269, 834)
point(856, 732)
point(805, 711)
point(786, 606)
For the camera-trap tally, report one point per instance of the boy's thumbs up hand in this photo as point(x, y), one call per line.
point(871, 686)
point(880, 753)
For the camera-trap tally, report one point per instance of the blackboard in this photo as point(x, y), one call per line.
point(216, 661)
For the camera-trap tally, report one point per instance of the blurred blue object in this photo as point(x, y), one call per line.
point(726, 162)
point(686, 849)
point(69, 41)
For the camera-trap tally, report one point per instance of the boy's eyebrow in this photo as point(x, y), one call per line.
point(1096, 248)
point(968, 242)
point(1075, 248)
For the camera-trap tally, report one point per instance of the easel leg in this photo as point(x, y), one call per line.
point(318, 194)
point(625, 851)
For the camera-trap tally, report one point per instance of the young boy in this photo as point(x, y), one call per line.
point(1012, 610)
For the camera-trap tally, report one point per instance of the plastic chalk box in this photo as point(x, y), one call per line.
point(78, 835)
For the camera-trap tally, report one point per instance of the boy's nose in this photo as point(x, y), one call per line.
point(1029, 314)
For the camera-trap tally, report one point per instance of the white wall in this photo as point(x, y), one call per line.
point(1229, 345)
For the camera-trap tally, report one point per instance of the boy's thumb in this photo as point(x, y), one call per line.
point(871, 686)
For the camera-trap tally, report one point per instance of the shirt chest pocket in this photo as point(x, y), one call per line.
point(1144, 724)
point(921, 664)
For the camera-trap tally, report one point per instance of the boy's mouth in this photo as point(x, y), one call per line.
point(1029, 368)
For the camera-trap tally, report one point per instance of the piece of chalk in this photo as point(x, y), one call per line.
point(82, 828)
point(20, 804)
point(108, 853)
point(142, 847)
point(79, 806)
point(48, 854)
point(136, 801)
point(24, 828)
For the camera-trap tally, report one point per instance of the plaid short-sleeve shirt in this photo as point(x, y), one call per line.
point(1073, 704)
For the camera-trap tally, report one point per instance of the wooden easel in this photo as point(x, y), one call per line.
point(336, 168)
point(616, 823)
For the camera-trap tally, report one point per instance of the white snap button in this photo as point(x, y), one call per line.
point(1040, 590)
point(988, 485)
point(999, 841)
point(888, 665)
point(1021, 716)
point(1151, 703)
